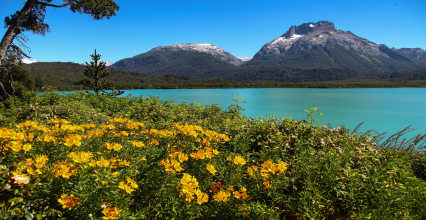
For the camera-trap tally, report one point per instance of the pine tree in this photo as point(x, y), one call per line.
point(97, 71)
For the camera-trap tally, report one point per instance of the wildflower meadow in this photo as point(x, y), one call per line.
point(82, 156)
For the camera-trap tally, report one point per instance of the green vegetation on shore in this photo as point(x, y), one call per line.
point(82, 156)
point(67, 76)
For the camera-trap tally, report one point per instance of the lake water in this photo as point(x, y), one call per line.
point(382, 109)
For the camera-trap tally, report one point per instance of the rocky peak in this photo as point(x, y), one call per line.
point(323, 34)
point(307, 28)
point(206, 48)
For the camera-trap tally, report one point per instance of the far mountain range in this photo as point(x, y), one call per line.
point(310, 52)
point(307, 46)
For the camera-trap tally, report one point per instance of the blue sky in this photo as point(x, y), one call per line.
point(239, 27)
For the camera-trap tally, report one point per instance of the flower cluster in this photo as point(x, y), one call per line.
point(268, 168)
point(241, 194)
point(207, 152)
point(64, 169)
point(80, 157)
point(190, 188)
point(171, 166)
point(68, 202)
point(129, 187)
point(111, 213)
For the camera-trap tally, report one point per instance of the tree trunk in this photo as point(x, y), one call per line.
point(14, 28)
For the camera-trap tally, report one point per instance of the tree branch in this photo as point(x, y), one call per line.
point(19, 49)
point(51, 5)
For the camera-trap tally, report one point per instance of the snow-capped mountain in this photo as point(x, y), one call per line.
point(206, 48)
point(321, 45)
point(28, 61)
point(323, 34)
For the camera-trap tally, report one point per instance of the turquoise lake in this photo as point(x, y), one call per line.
point(382, 109)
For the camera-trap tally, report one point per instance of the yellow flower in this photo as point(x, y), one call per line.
point(229, 158)
point(250, 171)
point(241, 194)
point(92, 163)
point(129, 187)
point(199, 155)
point(124, 163)
point(15, 145)
point(26, 147)
point(80, 157)
point(182, 157)
point(138, 143)
point(282, 167)
point(72, 140)
point(201, 197)
point(64, 169)
point(211, 169)
point(48, 138)
point(68, 202)
point(222, 196)
point(41, 160)
point(115, 174)
point(102, 162)
point(117, 146)
point(239, 160)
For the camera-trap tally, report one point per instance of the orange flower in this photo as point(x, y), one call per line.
point(111, 213)
point(68, 202)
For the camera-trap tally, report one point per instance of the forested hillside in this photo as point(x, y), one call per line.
point(66, 76)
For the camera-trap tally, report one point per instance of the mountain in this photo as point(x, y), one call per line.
point(206, 48)
point(161, 61)
point(321, 45)
point(413, 52)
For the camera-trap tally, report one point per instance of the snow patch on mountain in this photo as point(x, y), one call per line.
point(204, 47)
point(245, 59)
point(28, 61)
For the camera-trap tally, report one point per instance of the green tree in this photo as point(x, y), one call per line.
point(97, 71)
point(38, 82)
point(20, 77)
point(31, 18)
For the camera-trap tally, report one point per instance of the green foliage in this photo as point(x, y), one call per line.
point(67, 75)
point(38, 82)
point(97, 71)
point(311, 114)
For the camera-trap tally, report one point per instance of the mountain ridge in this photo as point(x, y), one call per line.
point(309, 45)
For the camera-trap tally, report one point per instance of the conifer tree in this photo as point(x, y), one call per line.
point(96, 71)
